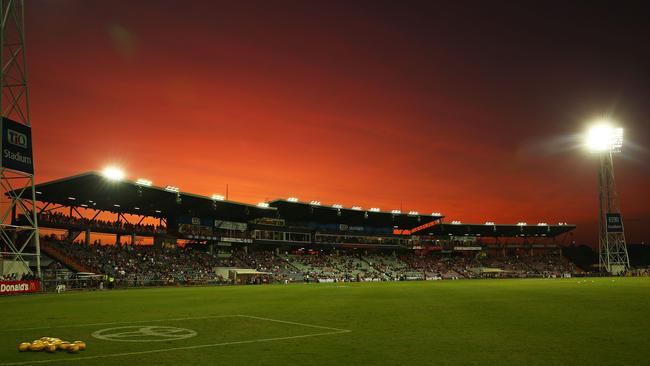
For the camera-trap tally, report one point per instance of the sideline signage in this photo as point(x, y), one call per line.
point(18, 287)
point(16, 146)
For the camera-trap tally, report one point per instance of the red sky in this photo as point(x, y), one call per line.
point(436, 107)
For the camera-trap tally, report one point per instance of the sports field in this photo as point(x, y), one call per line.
point(471, 322)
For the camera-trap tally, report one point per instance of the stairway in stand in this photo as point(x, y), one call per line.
point(57, 254)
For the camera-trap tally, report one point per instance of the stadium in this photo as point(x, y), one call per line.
point(110, 267)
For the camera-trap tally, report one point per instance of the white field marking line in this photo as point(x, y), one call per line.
point(296, 323)
point(121, 322)
point(334, 331)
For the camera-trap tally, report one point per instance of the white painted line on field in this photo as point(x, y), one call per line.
point(121, 322)
point(332, 331)
point(295, 323)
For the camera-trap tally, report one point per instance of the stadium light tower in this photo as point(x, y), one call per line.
point(19, 241)
point(605, 140)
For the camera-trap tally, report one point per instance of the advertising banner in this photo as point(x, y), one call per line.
point(614, 223)
point(230, 225)
point(16, 146)
point(18, 287)
point(467, 248)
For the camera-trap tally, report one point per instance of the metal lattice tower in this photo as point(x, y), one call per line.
point(612, 251)
point(19, 239)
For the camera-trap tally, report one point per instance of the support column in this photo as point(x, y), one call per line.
point(87, 237)
point(157, 242)
point(133, 239)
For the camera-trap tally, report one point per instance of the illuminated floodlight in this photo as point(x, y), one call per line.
point(602, 137)
point(396, 212)
point(337, 205)
point(489, 223)
point(436, 214)
point(113, 173)
point(456, 222)
point(315, 203)
point(143, 182)
point(374, 209)
point(413, 212)
point(542, 224)
point(263, 204)
point(521, 224)
point(292, 199)
point(172, 189)
point(356, 208)
point(218, 197)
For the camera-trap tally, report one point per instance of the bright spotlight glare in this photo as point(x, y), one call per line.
point(113, 173)
point(604, 138)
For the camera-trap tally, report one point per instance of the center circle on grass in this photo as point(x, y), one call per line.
point(147, 333)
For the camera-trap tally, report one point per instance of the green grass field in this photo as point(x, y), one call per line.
point(471, 322)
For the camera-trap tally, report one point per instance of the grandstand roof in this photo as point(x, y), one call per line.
point(93, 190)
point(305, 211)
point(497, 230)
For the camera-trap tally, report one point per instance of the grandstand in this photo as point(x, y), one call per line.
point(195, 239)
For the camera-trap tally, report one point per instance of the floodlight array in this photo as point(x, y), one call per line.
point(113, 173)
point(143, 182)
point(602, 137)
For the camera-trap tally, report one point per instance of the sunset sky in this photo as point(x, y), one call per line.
point(472, 111)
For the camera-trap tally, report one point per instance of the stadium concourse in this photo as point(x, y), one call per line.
point(163, 236)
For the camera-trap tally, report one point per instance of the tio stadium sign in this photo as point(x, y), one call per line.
point(16, 146)
point(18, 287)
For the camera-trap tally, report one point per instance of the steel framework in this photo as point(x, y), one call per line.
point(612, 250)
point(19, 242)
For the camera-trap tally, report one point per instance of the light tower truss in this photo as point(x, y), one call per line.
point(19, 243)
point(612, 252)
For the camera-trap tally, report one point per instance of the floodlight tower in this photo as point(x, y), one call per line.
point(605, 140)
point(19, 241)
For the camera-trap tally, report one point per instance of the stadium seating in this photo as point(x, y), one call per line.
point(150, 266)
